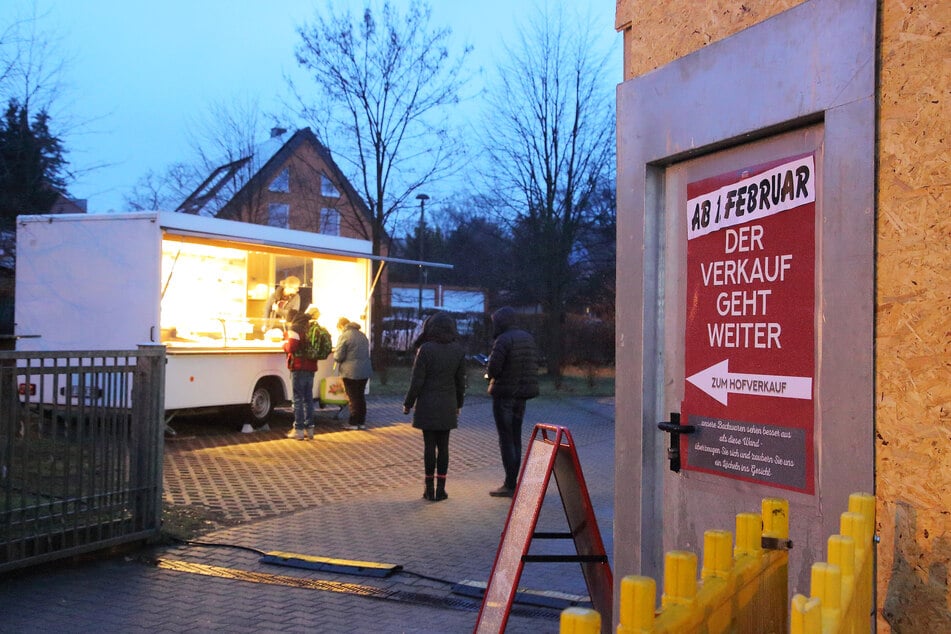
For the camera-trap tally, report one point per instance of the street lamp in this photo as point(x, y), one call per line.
point(422, 198)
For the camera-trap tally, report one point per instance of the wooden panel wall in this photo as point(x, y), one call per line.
point(913, 330)
point(656, 33)
point(913, 268)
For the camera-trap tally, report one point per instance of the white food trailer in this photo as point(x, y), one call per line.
point(197, 285)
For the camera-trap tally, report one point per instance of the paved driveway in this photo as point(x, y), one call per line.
point(348, 495)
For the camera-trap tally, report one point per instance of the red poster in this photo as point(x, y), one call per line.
point(750, 328)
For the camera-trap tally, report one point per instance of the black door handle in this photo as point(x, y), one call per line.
point(674, 428)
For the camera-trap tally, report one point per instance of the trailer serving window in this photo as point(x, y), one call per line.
point(215, 293)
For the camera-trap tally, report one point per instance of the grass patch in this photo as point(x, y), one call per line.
point(575, 381)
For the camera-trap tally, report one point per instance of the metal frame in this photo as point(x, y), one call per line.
point(81, 449)
point(551, 450)
point(813, 63)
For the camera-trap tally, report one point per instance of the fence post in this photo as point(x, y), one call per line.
point(147, 433)
point(749, 533)
point(775, 514)
point(826, 585)
point(842, 588)
point(638, 601)
point(717, 554)
point(806, 616)
point(579, 621)
point(680, 578)
point(741, 589)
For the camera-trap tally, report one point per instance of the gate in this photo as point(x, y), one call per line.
point(81, 444)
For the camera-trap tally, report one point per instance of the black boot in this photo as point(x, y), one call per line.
point(428, 493)
point(440, 488)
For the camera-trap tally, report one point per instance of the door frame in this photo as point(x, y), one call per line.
point(812, 64)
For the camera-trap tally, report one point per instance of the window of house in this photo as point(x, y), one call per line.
point(282, 183)
point(330, 221)
point(327, 188)
point(278, 214)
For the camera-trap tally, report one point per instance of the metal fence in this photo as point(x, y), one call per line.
point(744, 588)
point(81, 445)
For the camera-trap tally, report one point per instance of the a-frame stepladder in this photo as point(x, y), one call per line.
point(551, 450)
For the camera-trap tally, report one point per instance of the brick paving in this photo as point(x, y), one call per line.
point(352, 495)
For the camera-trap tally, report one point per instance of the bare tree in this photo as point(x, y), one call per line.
point(33, 167)
point(382, 82)
point(227, 141)
point(229, 133)
point(31, 64)
point(33, 74)
point(552, 144)
point(9, 42)
point(165, 191)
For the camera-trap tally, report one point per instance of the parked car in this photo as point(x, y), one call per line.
point(399, 334)
point(477, 359)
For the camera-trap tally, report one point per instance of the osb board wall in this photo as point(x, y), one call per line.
point(913, 269)
point(913, 330)
point(656, 33)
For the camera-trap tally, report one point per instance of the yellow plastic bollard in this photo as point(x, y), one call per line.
point(826, 584)
point(775, 517)
point(638, 601)
point(717, 554)
point(855, 525)
point(841, 549)
point(827, 587)
point(749, 533)
point(680, 578)
point(579, 621)
point(864, 504)
point(805, 616)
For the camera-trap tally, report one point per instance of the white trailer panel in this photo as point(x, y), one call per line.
point(197, 285)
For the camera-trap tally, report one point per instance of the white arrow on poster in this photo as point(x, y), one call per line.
point(717, 382)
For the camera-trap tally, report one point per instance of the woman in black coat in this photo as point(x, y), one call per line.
point(437, 389)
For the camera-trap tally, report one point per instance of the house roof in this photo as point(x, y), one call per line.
point(265, 160)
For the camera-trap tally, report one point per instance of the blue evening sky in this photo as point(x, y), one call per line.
point(139, 73)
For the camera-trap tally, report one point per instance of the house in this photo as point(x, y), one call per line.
point(66, 205)
point(424, 297)
point(288, 181)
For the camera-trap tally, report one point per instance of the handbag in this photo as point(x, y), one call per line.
point(332, 391)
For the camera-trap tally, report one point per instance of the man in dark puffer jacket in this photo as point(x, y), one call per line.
point(513, 379)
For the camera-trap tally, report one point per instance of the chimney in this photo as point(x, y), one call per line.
point(277, 132)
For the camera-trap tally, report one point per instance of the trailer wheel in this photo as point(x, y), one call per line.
point(262, 403)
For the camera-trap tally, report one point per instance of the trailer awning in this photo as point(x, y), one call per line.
point(247, 234)
point(230, 231)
